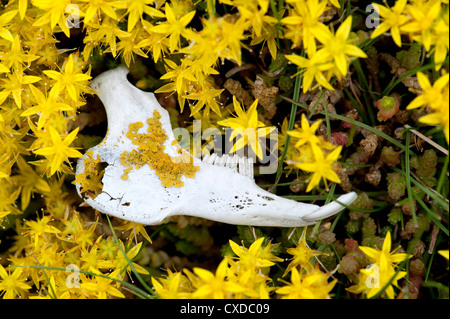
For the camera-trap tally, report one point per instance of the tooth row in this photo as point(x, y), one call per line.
point(241, 165)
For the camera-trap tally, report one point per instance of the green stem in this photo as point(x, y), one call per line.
point(442, 176)
point(297, 86)
point(408, 178)
point(211, 8)
point(138, 276)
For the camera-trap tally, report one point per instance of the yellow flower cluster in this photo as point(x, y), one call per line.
point(247, 124)
point(335, 51)
point(313, 154)
point(245, 276)
point(435, 96)
point(426, 22)
point(382, 274)
point(66, 259)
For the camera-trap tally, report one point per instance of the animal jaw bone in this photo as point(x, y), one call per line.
point(217, 188)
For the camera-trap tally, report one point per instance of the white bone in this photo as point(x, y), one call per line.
point(222, 189)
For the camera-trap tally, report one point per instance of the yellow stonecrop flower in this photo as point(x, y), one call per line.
point(322, 167)
point(206, 99)
point(339, 47)
point(40, 230)
point(173, 27)
point(14, 85)
point(16, 56)
point(332, 57)
point(255, 12)
point(135, 229)
point(314, 154)
point(94, 9)
point(4, 19)
point(70, 79)
point(381, 271)
point(29, 181)
point(60, 150)
point(371, 280)
point(441, 39)
point(393, 19)
point(443, 253)
point(437, 97)
point(173, 286)
point(306, 133)
point(12, 284)
point(101, 287)
point(215, 286)
point(54, 14)
point(45, 107)
point(255, 256)
point(181, 77)
point(136, 10)
point(304, 22)
point(385, 258)
point(426, 22)
point(315, 67)
point(423, 15)
point(307, 285)
point(302, 255)
point(248, 127)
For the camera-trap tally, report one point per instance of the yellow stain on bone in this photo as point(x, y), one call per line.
point(150, 151)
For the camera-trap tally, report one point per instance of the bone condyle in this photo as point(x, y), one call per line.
point(140, 173)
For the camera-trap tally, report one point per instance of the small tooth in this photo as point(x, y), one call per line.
point(242, 166)
point(232, 162)
point(209, 158)
point(223, 160)
point(250, 167)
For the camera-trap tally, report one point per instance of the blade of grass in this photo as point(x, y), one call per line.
point(276, 16)
point(53, 294)
point(408, 179)
point(138, 276)
point(356, 105)
point(435, 196)
point(297, 86)
point(434, 217)
point(365, 88)
point(284, 184)
point(430, 262)
point(327, 118)
point(442, 176)
point(413, 71)
point(211, 8)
